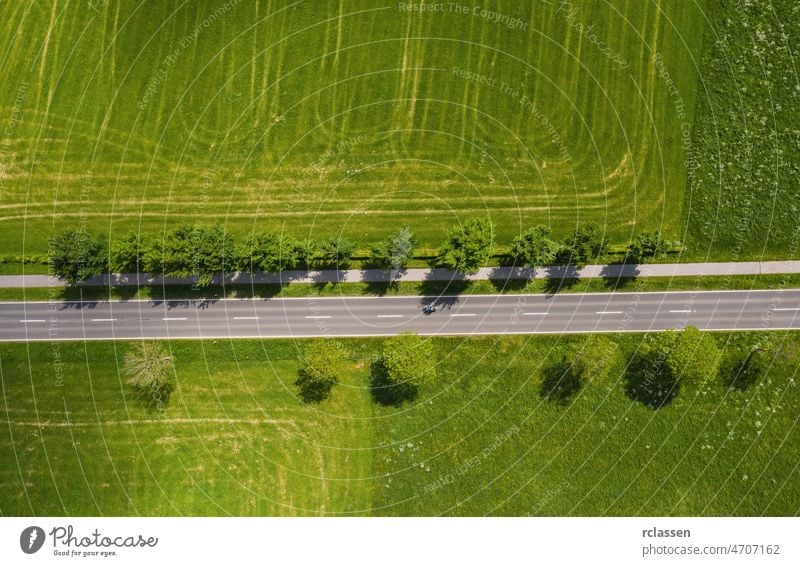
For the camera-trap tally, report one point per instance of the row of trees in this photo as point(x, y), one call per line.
point(207, 251)
point(653, 375)
point(662, 364)
point(405, 363)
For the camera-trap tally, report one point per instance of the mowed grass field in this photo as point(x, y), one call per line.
point(481, 440)
point(326, 118)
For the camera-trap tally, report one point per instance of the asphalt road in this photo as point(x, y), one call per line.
point(382, 316)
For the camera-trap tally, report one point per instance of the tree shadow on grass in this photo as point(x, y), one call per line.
point(741, 374)
point(385, 391)
point(649, 381)
point(561, 382)
point(310, 390)
point(154, 399)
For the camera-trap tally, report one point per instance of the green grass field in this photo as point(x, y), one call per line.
point(320, 118)
point(480, 440)
point(744, 190)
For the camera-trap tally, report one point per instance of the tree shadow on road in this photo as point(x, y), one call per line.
point(510, 278)
point(619, 275)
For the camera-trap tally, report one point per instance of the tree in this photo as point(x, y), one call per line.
point(395, 251)
point(587, 245)
point(692, 355)
point(337, 252)
point(305, 253)
point(127, 253)
point(408, 358)
point(151, 373)
point(77, 255)
point(269, 251)
point(321, 364)
point(649, 378)
point(192, 250)
point(534, 248)
point(214, 253)
point(648, 245)
point(171, 255)
point(468, 246)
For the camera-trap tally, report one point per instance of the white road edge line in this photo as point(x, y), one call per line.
point(608, 312)
point(390, 316)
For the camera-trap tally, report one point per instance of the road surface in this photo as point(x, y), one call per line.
point(383, 316)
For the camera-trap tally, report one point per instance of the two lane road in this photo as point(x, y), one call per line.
point(382, 316)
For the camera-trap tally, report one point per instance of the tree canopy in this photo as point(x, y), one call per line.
point(321, 364)
point(408, 358)
point(648, 245)
point(77, 255)
point(395, 251)
point(587, 245)
point(534, 248)
point(127, 253)
point(151, 373)
point(271, 252)
point(468, 246)
point(337, 252)
point(692, 355)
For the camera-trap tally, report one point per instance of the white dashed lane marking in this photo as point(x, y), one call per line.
point(245, 318)
point(174, 318)
point(33, 320)
point(104, 319)
point(390, 316)
point(463, 314)
point(609, 312)
point(319, 316)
